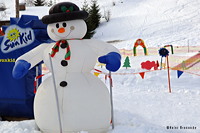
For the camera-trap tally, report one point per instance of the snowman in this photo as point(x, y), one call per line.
point(83, 100)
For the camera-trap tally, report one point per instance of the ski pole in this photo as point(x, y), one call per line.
point(161, 64)
point(111, 99)
point(37, 73)
point(56, 94)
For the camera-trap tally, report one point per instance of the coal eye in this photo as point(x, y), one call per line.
point(64, 24)
point(57, 25)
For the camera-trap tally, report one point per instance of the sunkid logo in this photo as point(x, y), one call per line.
point(16, 37)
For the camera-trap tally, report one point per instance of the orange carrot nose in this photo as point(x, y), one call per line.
point(61, 30)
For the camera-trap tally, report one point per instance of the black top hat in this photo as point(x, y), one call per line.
point(64, 11)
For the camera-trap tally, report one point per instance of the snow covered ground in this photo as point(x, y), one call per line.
point(144, 105)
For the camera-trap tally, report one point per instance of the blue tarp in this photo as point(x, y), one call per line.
point(23, 34)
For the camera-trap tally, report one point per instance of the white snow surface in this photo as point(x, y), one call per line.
point(158, 23)
point(144, 105)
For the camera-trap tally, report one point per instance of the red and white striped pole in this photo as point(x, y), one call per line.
point(169, 82)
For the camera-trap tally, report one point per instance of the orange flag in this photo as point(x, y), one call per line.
point(96, 74)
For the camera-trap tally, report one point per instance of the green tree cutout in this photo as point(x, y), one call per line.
point(127, 62)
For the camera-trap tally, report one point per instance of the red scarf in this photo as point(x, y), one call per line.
point(55, 49)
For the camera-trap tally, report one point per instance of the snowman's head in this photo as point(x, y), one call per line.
point(67, 30)
point(65, 21)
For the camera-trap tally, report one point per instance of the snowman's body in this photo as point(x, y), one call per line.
point(85, 102)
point(83, 99)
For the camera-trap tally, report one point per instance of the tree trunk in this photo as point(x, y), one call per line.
point(17, 8)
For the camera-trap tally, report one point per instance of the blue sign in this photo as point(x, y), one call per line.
point(24, 34)
point(16, 37)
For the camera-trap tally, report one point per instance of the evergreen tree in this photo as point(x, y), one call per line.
point(90, 32)
point(126, 62)
point(39, 2)
point(95, 15)
point(93, 19)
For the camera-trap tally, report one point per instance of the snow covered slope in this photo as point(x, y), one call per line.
point(172, 22)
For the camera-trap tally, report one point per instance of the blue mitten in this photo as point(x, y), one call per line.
point(112, 61)
point(20, 69)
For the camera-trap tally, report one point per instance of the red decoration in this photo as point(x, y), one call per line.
point(1, 32)
point(35, 82)
point(148, 65)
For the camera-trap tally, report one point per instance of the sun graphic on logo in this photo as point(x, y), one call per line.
point(13, 34)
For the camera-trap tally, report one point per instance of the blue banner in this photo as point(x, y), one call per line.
point(23, 34)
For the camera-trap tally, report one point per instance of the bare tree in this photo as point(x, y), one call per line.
point(113, 3)
point(29, 2)
point(2, 10)
point(2, 7)
point(107, 15)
